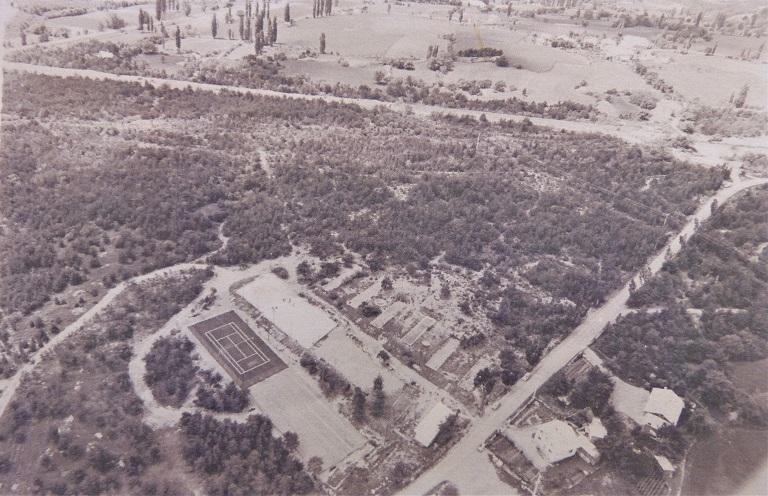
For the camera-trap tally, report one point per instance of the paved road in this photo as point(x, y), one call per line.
point(469, 469)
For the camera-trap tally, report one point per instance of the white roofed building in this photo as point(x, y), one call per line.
point(430, 423)
point(664, 464)
point(663, 407)
point(551, 442)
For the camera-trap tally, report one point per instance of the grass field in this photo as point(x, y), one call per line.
point(721, 464)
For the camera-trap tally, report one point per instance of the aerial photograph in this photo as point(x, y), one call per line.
point(384, 247)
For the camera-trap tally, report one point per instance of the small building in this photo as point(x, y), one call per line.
point(551, 442)
point(595, 429)
point(665, 465)
point(430, 423)
point(663, 407)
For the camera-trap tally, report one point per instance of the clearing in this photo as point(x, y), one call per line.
point(322, 431)
point(288, 308)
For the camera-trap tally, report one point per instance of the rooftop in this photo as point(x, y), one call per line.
point(430, 423)
point(664, 463)
point(548, 443)
point(664, 404)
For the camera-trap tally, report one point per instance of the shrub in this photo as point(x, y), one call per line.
point(481, 52)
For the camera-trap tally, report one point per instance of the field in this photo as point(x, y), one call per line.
point(293, 405)
point(722, 464)
point(237, 348)
point(352, 360)
point(280, 303)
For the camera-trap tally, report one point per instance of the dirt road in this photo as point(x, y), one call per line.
point(468, 468)
point(705, 152)
point(10, 385)
point(627, 130)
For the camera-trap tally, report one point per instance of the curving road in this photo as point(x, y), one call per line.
point(10, 385)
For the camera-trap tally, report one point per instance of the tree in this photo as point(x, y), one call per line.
point(400, 473)
point(384, 357)
point(322, 42)
point(379, 397)
point(158, 10)
point(741, 98)
point(447, 430)
point(304, 271)
point(485, 379)
point(315, 465)
point(511, 370)
point(533, 352)
point(214, 26)
point(368, 310)
point(178, 39)
point(273, 38)
point(287, 13)
point(291, 440)
point(259, 43)
point(358, 405)
point(593, 392)
point(102, 460)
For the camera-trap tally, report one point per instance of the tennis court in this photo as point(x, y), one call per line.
point(237, 348)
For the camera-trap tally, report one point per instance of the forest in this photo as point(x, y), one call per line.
point(74, 421)
point(530, 203)
point(172, 374)
point(241, 459)
point(713, 301)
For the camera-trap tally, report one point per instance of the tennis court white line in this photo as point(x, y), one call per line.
point(222, 350)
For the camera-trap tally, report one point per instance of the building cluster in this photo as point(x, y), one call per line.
point(548, 446)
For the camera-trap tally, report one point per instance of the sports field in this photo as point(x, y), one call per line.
point(237, 348)
point(281, 303)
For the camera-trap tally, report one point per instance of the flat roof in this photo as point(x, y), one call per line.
point(430, 423)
